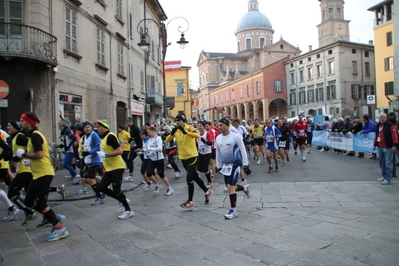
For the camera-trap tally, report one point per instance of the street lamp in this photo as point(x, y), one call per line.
point(144, 44)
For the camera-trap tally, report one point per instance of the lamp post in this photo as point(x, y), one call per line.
point(144, 44)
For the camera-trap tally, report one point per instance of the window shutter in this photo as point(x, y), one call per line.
point(2, 11)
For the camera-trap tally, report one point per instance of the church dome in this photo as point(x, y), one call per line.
point(254, 18)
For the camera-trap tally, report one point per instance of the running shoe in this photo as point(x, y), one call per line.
point(187, 205)
point(169, 166)
point(208, 185)
point(270, 169)
point(231, 214)
point(128, 178)
point(97, 201)
point(276, 169)
point(147, 186)
point(208, 196)
point(126, 215)
point(76, 180)
point(62, 191)
point(82, 192)
point(157, 188)
point(29, 218)
point(169, 192)
point(212, 175)
point(57, 234)
point(177, 175)
point(44, 223)
point(248, 191)
point(11, 214)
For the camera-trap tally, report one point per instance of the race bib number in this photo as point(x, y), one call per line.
point(282, 144)
point(133, 144)
point(121, 142)
point(227, 169)
point(269, 138)
point(301, 132)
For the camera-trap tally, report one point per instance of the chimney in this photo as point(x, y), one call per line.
point(371, 42)
point(310, 48)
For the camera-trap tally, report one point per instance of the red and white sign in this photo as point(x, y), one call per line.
point(4, 89)
point(172, 66)
point(137, 109)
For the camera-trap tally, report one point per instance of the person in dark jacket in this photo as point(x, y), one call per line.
point(357, 127)
point(348, 126)
point(135, 143)
point(68, 139)
point(386, 139)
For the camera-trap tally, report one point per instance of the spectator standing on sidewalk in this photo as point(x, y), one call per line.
point(325, 126)
point(348, 126)
point(368, 126)
point(386, 139)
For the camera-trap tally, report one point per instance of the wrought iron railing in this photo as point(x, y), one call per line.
point(18, 40)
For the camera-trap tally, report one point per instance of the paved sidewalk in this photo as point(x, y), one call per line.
point(283, 223)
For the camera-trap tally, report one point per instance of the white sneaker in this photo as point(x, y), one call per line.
point(128, 178)
point(157, 188)
point(121, 209)
point(225, 189)
point(177, 175)
point(258, 162)
point(147, 186)
point(169, 192)
point(321, 150)
point(231, 214)
point(143, 182)
point(126, 215)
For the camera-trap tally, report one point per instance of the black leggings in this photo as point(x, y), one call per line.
point(20, 181)
point(37, 193)
point(144, 164)
point(203, 162)
point(171, 160)
point(132, 156)
point(191, 167)
point(114, 177)
point(159, 165)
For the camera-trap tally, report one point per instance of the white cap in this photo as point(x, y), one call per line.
point(243, 121)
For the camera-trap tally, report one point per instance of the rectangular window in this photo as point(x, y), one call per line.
point(240, 92)
point(353, 51)
point(100, 47)
point(355, 92)
point(331, 68)
point(233, 97)
point(366, 53)
point(354, 67)
point(331, 91)
point(217, 100)
point(227, 96)
point(262, 43)
point(221, 98)
point(130, 25)
point(310, 94)
point(330, 12)
point(292, 78)
point(319, 92)
point(119, 8)
point(179, 88)
point(130, 76)
point(320, 111)
point(310, 73)
point(120, 59)
point(70, 34)
point(389, 38)
point(248, 90)
point(332, 110)
point(309, 59)
point(329, 51)
point(318, 67)
point(257, 84)
point(278, 85)
point(388, 63)
point(389, 88)
point(292, 98)
point(302, 97)
point(301, 75)
point(368, 90)
point(248, 43)
point(367, 69)
point(338, 12)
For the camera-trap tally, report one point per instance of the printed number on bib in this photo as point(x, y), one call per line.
point(227, 169)
point(281, 144)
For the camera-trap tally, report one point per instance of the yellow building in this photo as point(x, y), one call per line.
point(384, 53)
point(177, 86)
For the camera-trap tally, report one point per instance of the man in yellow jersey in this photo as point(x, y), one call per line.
point(124, 138)
point(257, 135)
point(114, 166)
point(38, 154)
point(186, 136)
point(24, 173)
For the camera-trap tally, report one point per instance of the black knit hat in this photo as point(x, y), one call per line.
point(122, 126)
point(225, 121)
point(181, 117)
point(15, 124)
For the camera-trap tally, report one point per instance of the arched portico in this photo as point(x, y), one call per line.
point(241, 110)
point(259, 110)
point(278, 107)
point(234, 112)
point(251, 109)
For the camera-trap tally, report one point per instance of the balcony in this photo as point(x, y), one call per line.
point(18, 40)
point(154, 98)
point(170, 102)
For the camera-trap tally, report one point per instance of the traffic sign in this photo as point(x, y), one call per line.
point(3, 103)
point(4, 89)
point(370, 99)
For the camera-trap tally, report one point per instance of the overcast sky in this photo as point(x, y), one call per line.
point(212, 24)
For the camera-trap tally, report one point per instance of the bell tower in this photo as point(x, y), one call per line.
point(333, 26)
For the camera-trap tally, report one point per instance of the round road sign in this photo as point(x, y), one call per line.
point(4, 89)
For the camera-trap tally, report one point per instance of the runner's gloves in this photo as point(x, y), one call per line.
point(247, 170)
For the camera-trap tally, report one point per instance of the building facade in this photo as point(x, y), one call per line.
point(251, 83)
point(79, 60)
point(336, 79)
point(384, 56)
